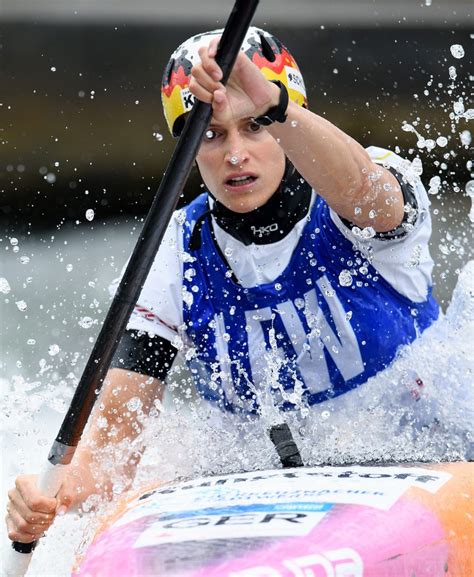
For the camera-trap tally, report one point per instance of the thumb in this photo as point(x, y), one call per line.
point(64, 500)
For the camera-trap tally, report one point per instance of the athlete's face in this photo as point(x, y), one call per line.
point(241, 164)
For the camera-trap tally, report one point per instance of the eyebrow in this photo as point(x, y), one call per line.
point(216, 125)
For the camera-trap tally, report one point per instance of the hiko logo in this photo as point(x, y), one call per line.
point(264, 230)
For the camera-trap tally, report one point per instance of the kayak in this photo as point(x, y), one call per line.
point(413, 520)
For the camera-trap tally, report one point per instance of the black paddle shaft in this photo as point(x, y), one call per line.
point(147, 246)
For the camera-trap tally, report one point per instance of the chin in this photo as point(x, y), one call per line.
point(245, 204)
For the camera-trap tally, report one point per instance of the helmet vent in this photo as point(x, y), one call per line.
point(267, 49)
point(168, 71)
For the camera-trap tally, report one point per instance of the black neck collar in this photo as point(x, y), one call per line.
point(272, 221)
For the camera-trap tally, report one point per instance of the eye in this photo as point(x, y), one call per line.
point(254, 127)
point(210, 135)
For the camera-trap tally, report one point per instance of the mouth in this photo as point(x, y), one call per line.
point(242, 181)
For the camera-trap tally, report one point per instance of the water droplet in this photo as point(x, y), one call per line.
point(417, 166)
point(69, 267)
point(365, 233)
point(14, 241)
point(442, 141)
point(452, 72)
point(228, 251)
point(294, 123)
point(466, 138)
point(86, 322)
point(434, 185)
point(348, 315)
point(428, 2)
point(444, 249)
point(31, 342)
point(408, 128)
point(345, 278)
point(101, 422)
point(53, 350)
point(90, 214)
point(4, 286)
point(158, 136)
point(458, 106)
point(24, 259)
point(325, 415)
point(457, 50)
point(469, 114)
point(21, 305)
point(277, 286)
point(53, 68)
point(430, 144)
point(134, 404)
point(299, 303)
point(50, 177)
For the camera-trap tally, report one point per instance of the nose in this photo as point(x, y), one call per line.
point(236, 150)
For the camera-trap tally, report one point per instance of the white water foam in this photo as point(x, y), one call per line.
point(187, 439)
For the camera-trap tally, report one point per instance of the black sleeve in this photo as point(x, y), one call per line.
point(410, 211)
point(141, 353)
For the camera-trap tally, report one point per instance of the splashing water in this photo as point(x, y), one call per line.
point(470, 193)
point(186, 437)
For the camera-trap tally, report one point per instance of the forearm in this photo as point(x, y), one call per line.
point(340, 170)
point(116, 422)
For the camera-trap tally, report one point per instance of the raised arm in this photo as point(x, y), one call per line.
point(336, 166)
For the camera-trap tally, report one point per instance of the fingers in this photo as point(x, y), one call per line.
point(19, 529)
point(207, 55)
point(17, 504)
point(206, 75)
point(202, 86)
point(29, 513)
point(213, 45)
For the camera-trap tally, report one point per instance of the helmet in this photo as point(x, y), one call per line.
point(263, 49)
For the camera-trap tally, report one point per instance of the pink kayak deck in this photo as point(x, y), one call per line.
point(396, 521)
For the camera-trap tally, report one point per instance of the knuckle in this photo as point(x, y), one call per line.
point(20, 480)
point(35, 503)
point(13, 535)
point(23, 526)
point(196, 69)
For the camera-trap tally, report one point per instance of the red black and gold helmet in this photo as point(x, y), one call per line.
point(263, 49)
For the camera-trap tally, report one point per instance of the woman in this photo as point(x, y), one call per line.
point(295, 278)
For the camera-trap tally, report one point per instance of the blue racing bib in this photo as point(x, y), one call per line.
point(309, 336)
